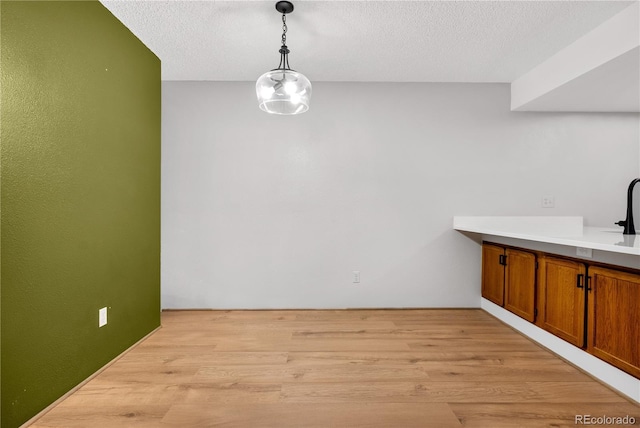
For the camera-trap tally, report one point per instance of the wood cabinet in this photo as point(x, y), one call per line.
point(520, 283)
point(509, 279)
point(590, 305)
point(561, 298)
point(493, 273)
point(614, 318)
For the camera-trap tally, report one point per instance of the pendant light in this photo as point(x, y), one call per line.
point(283, 90)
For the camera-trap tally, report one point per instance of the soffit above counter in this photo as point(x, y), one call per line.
point(600, 72)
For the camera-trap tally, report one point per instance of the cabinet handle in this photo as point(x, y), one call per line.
point(589, 284)
point(502, 260)
point(580, 283)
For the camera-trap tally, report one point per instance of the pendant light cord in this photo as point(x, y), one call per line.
point(284, 50)
point(284, 29)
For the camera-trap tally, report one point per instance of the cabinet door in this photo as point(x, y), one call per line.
point(520, 284)
point(614, 318)
point(493, 273)
point(561, 299)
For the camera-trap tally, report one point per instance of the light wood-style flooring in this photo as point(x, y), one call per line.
point(357, 368)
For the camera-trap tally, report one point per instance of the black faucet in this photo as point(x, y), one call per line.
point(629, 228)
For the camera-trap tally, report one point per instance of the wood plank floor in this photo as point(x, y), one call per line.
point(366, 368)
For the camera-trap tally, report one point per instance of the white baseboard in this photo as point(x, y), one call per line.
point(605, 372)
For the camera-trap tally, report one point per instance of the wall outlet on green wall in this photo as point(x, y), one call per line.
point(102, 317)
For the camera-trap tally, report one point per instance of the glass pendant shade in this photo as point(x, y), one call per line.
point(283, 91)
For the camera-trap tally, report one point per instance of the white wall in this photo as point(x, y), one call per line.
point(262, 211)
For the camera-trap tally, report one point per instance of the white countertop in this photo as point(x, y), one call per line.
point(553, 230)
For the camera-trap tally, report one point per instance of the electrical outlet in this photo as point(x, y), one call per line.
point(102, 317)
point(356, 276)
point(548, 202)
point(584, 252)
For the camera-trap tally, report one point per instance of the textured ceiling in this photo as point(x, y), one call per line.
point(370, 41)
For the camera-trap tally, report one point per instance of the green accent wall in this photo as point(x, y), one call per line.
point(80, 197)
